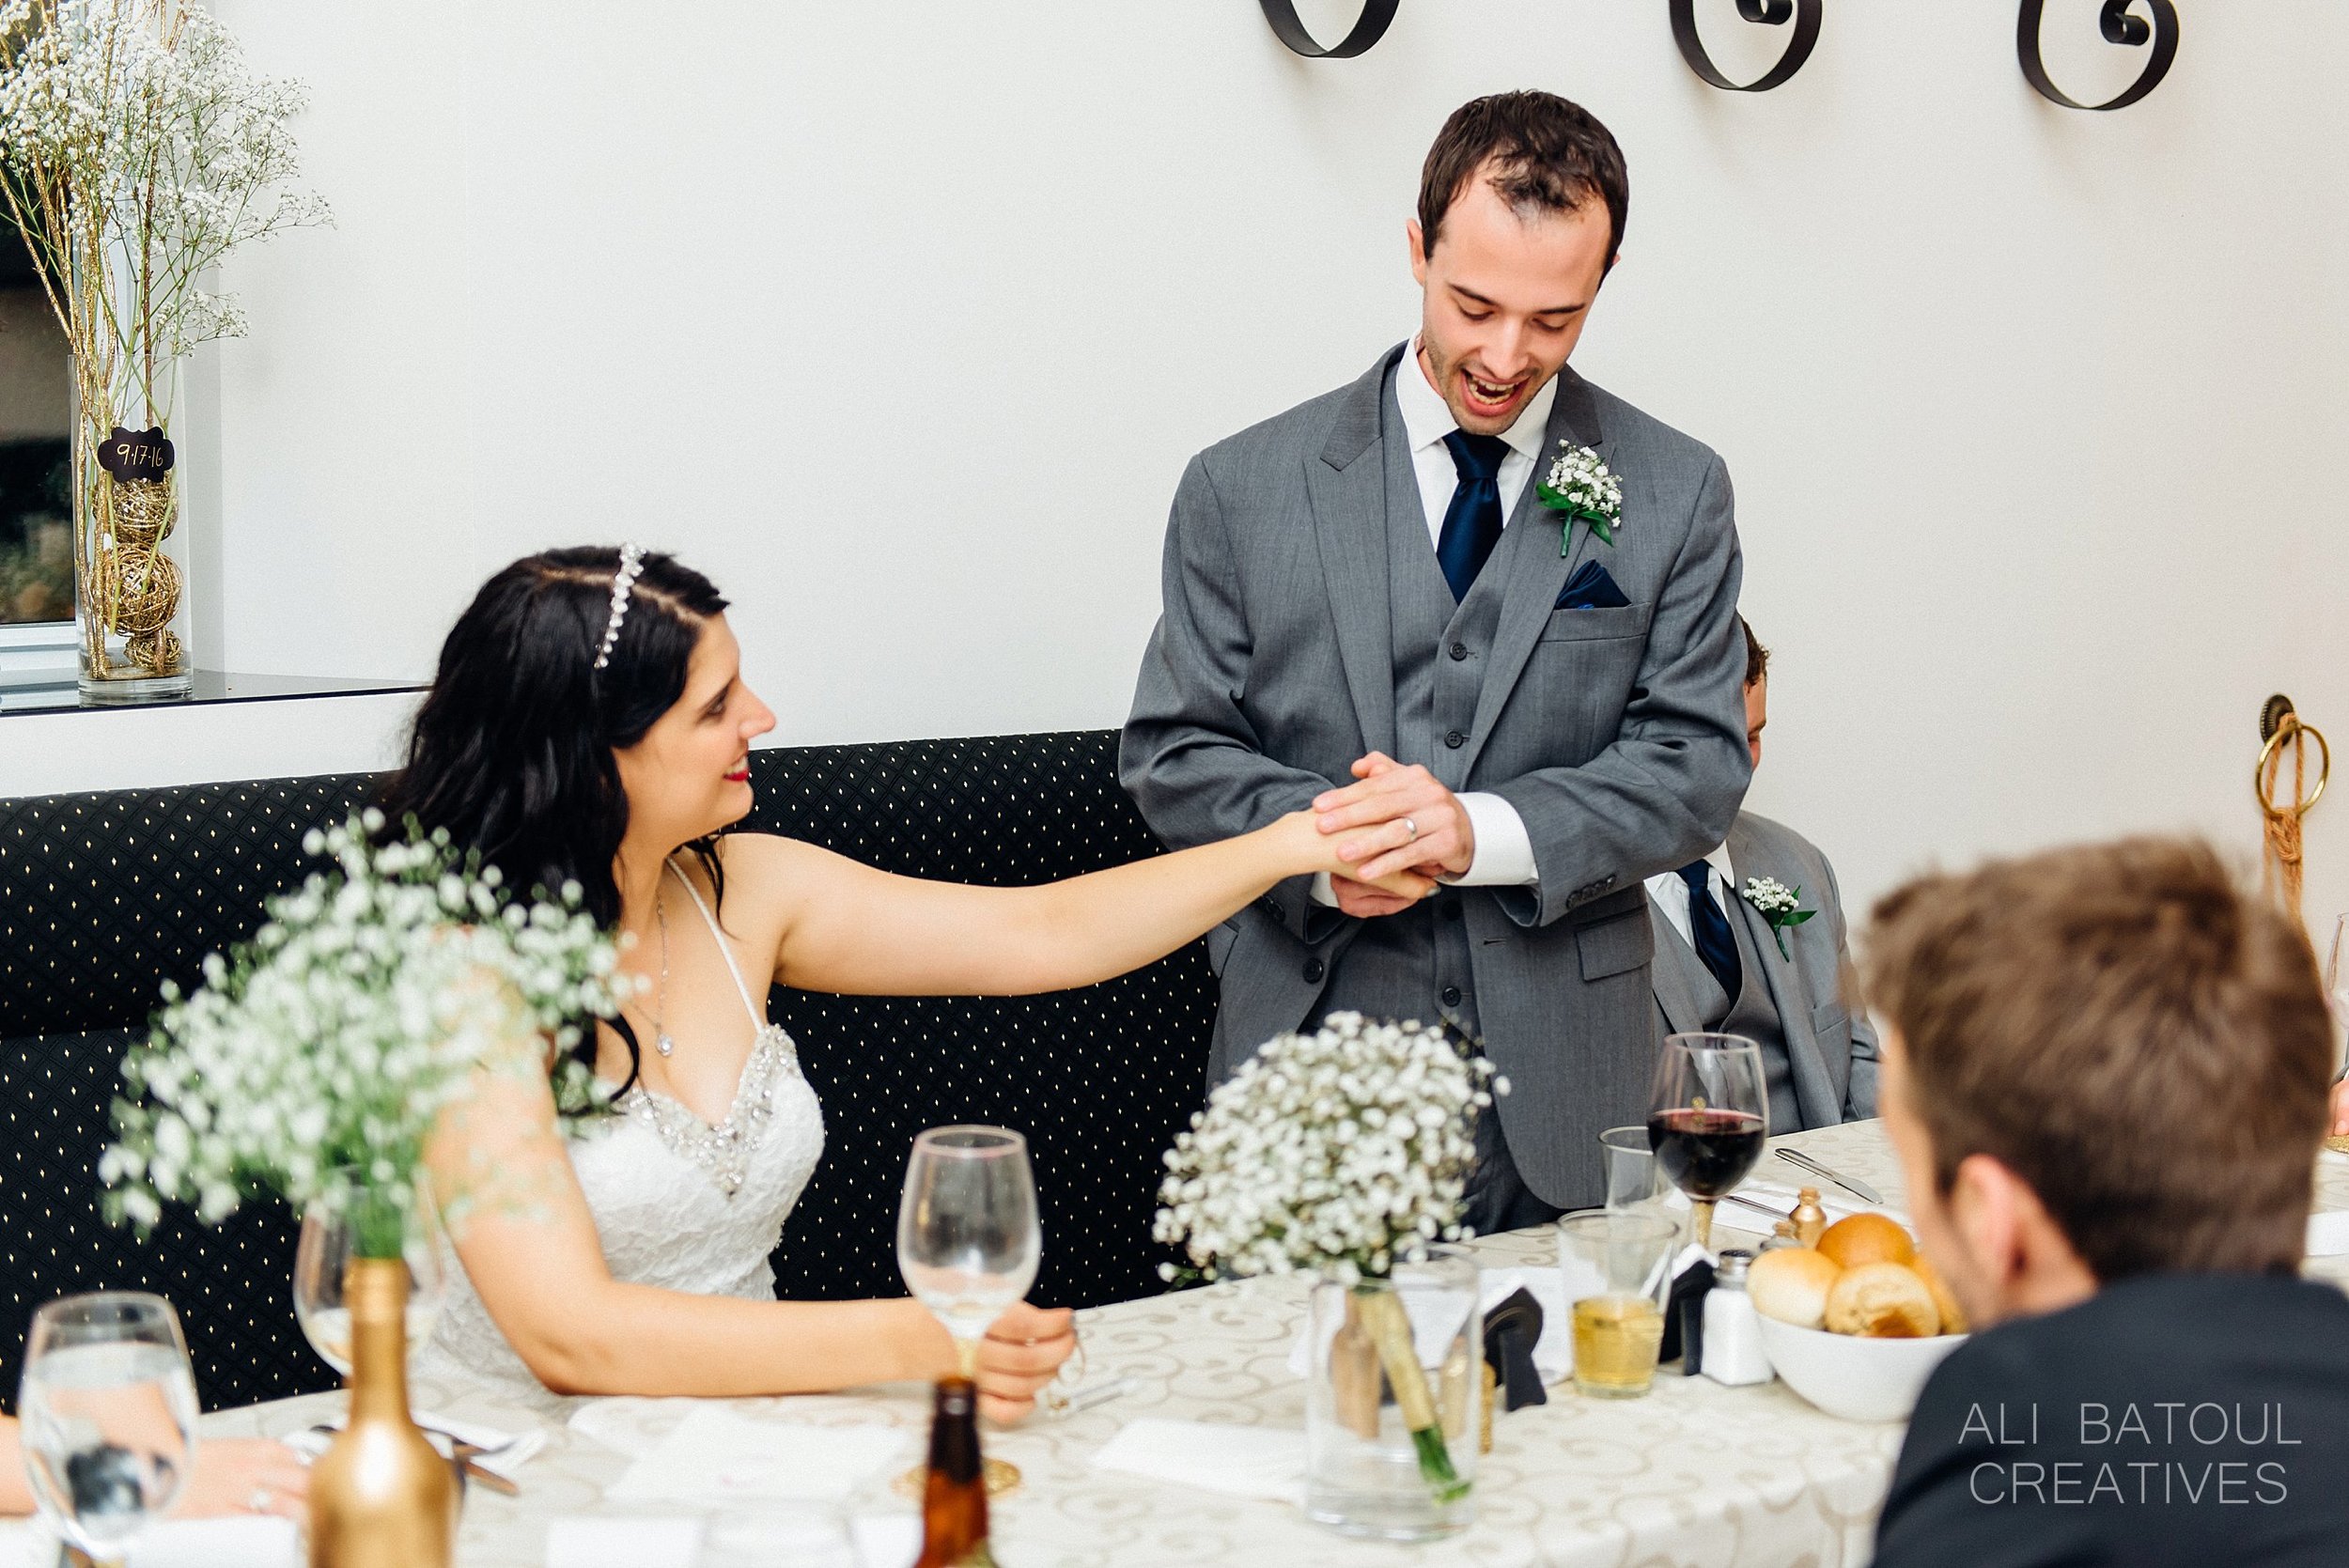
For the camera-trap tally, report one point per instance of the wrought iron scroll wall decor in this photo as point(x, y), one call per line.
point(2116, 21)
point(1769, 14)
point(2118, 27)
point(1378, 16)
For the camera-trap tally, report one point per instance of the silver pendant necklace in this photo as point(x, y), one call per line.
point(661, 1041)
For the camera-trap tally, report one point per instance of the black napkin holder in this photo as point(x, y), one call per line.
point(1683, 1317)
point(1512, 1329)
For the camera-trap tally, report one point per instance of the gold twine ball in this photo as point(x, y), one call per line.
point(144, 511)
point(158, 653)
point(149, 591)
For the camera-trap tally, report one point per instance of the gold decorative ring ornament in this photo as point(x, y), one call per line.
point(2262, 781)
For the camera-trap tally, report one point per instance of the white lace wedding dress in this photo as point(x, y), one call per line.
point(678, 1203)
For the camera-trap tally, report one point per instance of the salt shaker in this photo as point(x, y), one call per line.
point(1733, 1334)
point(1809, 1217)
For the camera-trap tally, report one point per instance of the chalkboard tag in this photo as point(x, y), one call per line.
point(136, 454)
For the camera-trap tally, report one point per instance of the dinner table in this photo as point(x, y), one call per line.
point(1694, 1474)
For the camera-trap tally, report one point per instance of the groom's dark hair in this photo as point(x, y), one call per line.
point(1546, 155)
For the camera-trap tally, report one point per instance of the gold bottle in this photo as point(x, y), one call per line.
point(380, 1497)
point(1809, 1217)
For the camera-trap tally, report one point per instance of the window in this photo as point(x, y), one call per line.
point(36, 508)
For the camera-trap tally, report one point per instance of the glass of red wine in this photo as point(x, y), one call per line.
point(1706, 1118)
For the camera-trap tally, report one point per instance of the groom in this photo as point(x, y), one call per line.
point(1543, 710)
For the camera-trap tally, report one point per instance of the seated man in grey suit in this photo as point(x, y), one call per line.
point(1722, 964)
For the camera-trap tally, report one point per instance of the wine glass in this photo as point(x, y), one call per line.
point(108, 1406)
point(330, 1239)
point(967, 1241)
point(1707, 1117)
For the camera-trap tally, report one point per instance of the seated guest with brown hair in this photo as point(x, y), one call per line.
point(2105, 1071)
point(1722, 964)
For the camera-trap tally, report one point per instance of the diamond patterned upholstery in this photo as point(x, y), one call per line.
point(104, 896)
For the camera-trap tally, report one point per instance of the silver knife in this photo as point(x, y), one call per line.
point(1852, 1185)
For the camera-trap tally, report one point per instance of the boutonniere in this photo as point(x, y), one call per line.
point(1581, 486)
point(1780, 905)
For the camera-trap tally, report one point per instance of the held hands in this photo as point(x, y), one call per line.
point(1020, 1355)
point(1395, 823)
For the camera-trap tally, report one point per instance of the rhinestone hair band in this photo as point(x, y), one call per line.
point(623, 583)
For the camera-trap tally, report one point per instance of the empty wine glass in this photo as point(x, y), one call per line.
point(108, 1407)
point(330, 1238)
point(967, 1241)
point(1707, 1116)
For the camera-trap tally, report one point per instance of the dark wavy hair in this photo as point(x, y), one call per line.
point(512, 751)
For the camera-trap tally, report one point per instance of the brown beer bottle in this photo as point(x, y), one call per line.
point(954, 1494)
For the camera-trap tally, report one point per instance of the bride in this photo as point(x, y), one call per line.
point(588, 722)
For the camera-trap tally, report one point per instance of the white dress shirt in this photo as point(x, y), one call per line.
point(1504, 852)
point(1671, 895)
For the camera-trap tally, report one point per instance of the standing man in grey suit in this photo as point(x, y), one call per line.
point(1370, 588)
point(1722, 964)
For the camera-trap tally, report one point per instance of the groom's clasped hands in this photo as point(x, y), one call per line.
point(1432, 836)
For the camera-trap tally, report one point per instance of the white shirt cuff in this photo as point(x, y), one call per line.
point(1323, 892)
point(1504, 852)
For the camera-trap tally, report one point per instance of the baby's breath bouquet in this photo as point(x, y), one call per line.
point(1342, 1151)
point(336, 1037)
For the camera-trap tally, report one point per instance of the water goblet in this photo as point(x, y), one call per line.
point(108, 1407)
point(331, 1231)
point(1708, 1113)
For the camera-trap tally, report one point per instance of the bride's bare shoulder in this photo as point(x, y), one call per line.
point(768, 868)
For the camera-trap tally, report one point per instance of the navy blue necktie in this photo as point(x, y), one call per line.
point(1471, 524)
point(1715, 945)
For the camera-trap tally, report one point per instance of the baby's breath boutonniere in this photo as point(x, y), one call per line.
point(1779, 905)
point(1581, 486)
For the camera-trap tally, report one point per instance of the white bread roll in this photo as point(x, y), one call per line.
point(1791, 1284)
point(1882, 1301)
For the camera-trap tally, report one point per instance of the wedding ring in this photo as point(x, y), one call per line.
point(259, 1501)
point(1413, 828)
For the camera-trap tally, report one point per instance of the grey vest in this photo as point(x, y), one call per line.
point(1753, 1015)
point(1415, 964)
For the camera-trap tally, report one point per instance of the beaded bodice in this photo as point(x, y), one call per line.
point(678, 1203)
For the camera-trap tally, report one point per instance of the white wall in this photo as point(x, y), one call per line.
point(902, 319)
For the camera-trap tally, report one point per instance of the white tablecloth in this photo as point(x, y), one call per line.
point(1695, 1475)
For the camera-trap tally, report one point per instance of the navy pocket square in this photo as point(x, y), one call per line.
point(1591, 587)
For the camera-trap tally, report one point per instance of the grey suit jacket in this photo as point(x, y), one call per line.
point(1617, 733)
point(1830, 1044)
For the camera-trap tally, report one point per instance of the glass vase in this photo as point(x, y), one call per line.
point(130, 554)
point(345, 1222)
point(1390, 1436)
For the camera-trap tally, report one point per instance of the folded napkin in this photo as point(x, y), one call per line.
point(1553, 1356)
point(502, 1453)
point(245, 1541)
point(886, 1540)
point(577, 1540)
point(2328, 1234)
point(715, 1457)
point(1244, 1461)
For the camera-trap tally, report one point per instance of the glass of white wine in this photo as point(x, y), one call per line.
point(108, 1407)
point(330, 1238)
point(968, 1238)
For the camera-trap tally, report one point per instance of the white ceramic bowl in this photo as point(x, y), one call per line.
point(1860, 1380)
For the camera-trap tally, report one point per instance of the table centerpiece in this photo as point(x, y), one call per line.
point(1344, 1153)
point(314, 1063)
point(136, 152)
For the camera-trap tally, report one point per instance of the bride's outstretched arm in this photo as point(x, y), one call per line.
point(527, 1240)
point(848, 927)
